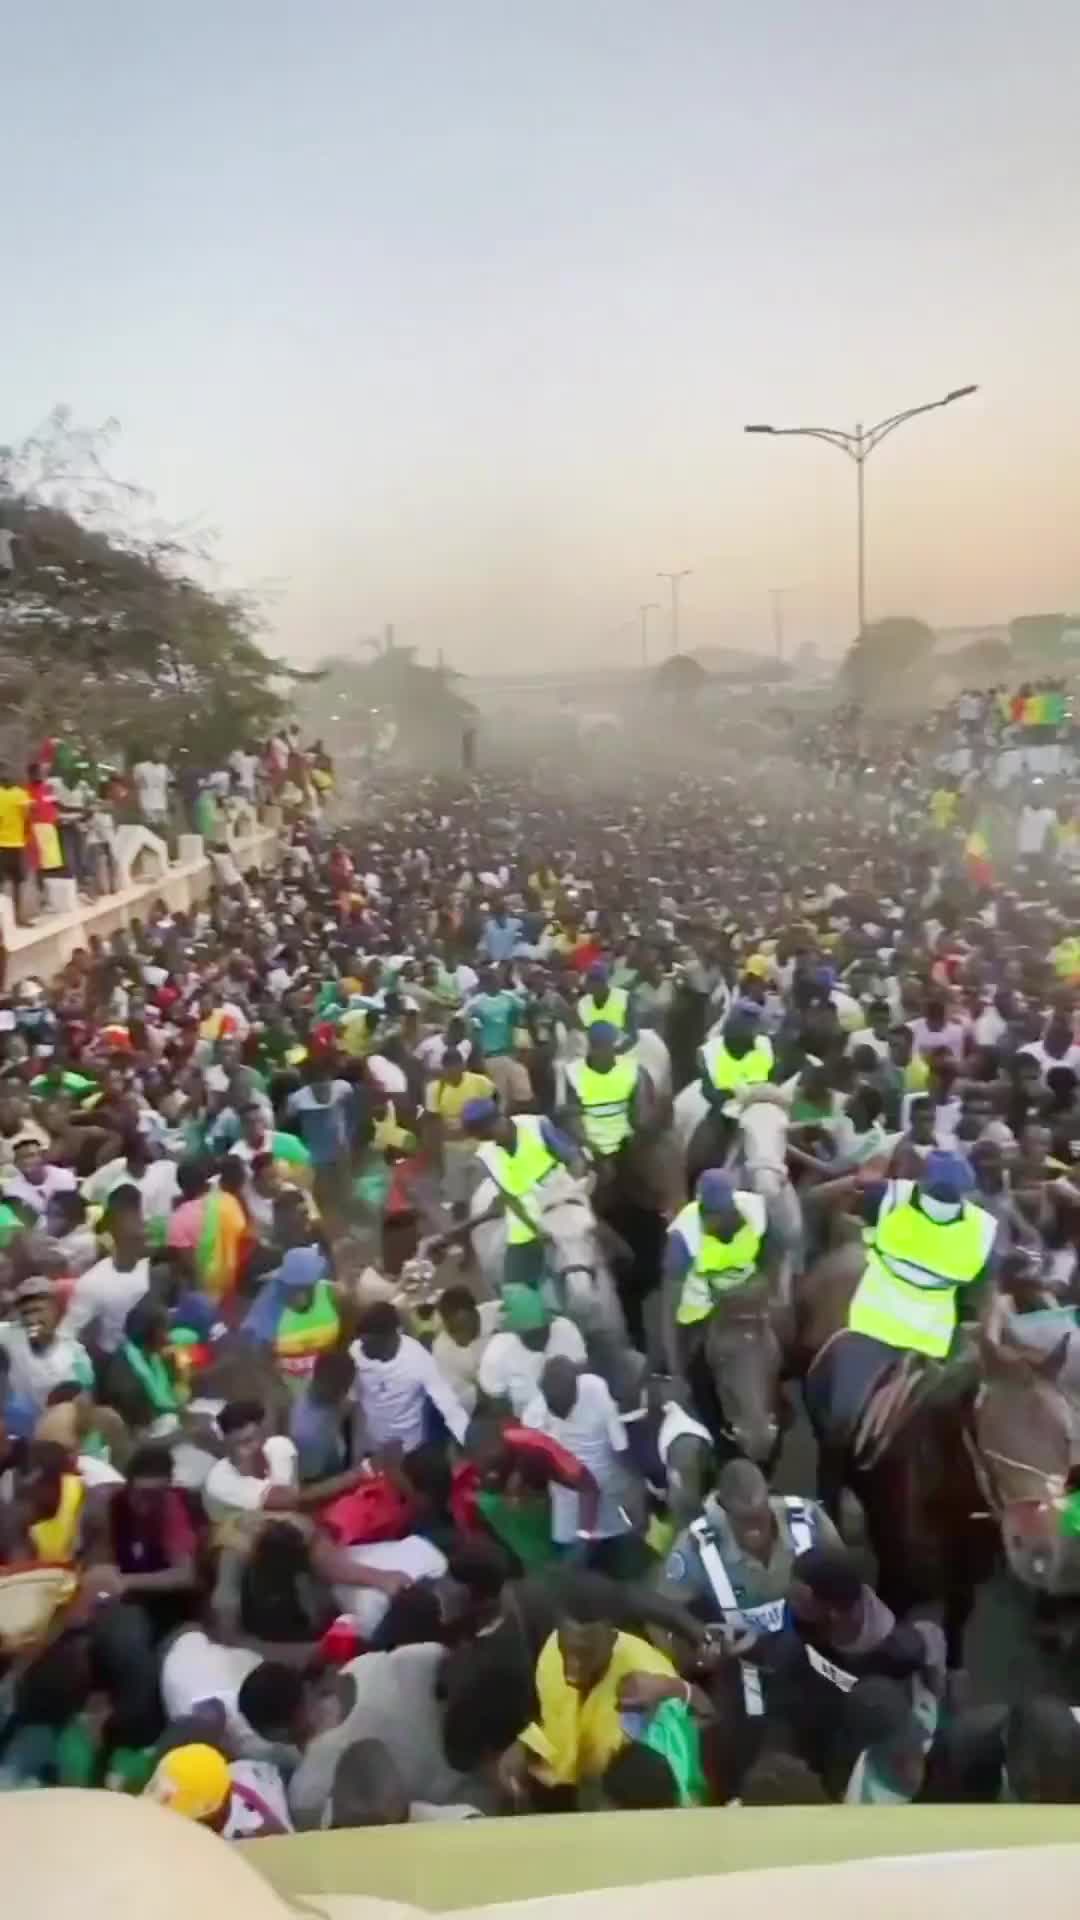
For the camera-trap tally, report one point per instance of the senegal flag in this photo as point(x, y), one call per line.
point(977, 856)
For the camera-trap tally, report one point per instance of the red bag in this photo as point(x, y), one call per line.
point(375, 1510)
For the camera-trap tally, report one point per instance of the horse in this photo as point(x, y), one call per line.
point(942, 1474)
point(578, 1266)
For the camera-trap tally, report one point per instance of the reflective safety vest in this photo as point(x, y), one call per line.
point(519, 1172)
point(728, 1074)
point(614, 1010)
point(914, 1265)
point(717, 1266)
point(766, 1618)
point(606, 1099)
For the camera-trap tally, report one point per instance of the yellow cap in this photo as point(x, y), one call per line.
point(191, 1780)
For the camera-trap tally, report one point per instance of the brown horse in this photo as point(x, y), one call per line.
point(994, 1447)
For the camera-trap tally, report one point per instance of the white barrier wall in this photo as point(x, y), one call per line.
point(41, 950)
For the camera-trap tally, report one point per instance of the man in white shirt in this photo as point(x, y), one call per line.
point(244, 767)
point(460, 1343)
point(105, 1294)
point(152, 778)
point(260, 1474)
point(577, 1410)
point(527, 1339)
point(396, 1383)
point(39, 1357)
point(1035, 825)
point(35, 1179)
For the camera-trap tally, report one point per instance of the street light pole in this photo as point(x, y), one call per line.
point(646, 607)
point(673, 579)
point(859, 445)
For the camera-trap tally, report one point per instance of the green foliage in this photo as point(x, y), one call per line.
point(420, 705)
point(679, 677)
point(889, 660)
point(106, 630)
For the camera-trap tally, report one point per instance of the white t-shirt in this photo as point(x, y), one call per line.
point(264, 1783)
point(57, 1180)
point(930, 1039)
point(196, 1668)
point(1036, 1051)
point(866, 1037)
point(594, 1433)
point(413, 1556)
point(105, 1295)
point(509, 1370)
point(226, 1490)
point(159, 1186)
point(152, 785)
point(460, 1366)
point(391, 1395)
point(244, 766)
point(1035, 824)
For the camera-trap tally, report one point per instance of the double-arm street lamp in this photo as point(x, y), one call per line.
point(859, 445)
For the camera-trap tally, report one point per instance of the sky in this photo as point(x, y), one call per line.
point(449, 313)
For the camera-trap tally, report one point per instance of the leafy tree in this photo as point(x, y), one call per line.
point(888, 660)
point(984, 661)
point(105, 630)
point(679, 677)
point(421, 705)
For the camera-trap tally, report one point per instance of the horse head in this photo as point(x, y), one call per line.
point(743, 1355)
point(1023, 1440)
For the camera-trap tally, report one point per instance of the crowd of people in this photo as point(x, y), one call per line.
point(417, 1259)
point(59, 819)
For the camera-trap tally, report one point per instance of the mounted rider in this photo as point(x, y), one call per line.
point(718, 1251)
point(603, 1002)
point(739, 1056)
point(608, 1099)
point(929, 1251)
point(519, 1152)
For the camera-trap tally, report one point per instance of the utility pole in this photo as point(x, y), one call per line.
point(646, 607)
point(859, 445)
point(673, 580)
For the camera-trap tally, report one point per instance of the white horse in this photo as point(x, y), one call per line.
point(580, 1275)
point(759, 1153)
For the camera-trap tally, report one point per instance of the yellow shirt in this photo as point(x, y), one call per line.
point(942, 807)
point(575, 1734)
point(14, 813)
point(57, 1537)
point(449, 1102)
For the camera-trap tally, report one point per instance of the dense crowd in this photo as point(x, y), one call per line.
point(416, 1263)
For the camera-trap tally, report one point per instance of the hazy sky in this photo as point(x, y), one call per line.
point(449, 312)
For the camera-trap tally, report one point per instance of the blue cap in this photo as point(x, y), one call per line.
point(946, 1176)
point(603, 1031)
point(715, 1189)
point(302, 1267)
point(744, 1008)
point(598, 971)
point(478, 1113)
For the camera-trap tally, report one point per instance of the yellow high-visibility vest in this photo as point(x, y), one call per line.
point(717, 1266)
point(728, 1074)
point(606, 1100)
point(614, 1010)
point(914, 1266)
point(519, 1172)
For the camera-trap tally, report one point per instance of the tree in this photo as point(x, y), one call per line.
point(105, 629)
point(679, 677)
point(984, 661)
point(393, 696)
point(889, 659)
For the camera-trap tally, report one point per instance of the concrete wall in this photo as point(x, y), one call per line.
point(41, 950)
